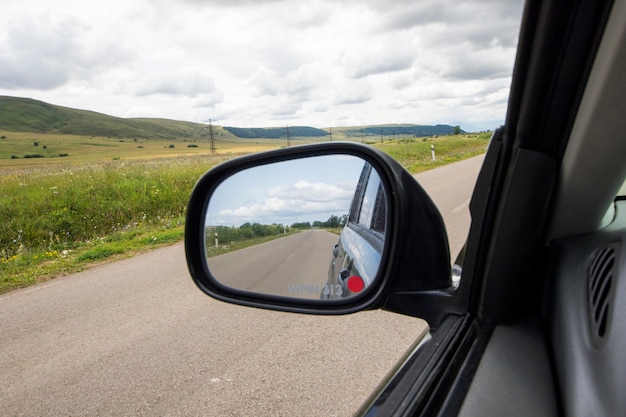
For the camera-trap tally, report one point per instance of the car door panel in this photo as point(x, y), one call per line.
point(589, 356)
point(514, 377)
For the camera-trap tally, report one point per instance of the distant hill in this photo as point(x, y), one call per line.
point(402, 130)
point(345, 132)
point(276, 132)
point(28, 115)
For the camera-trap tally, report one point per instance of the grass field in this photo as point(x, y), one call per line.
point(54, 149)
point(111, 198)
point(416, 154)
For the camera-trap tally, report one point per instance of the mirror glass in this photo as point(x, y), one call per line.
point(309, 228)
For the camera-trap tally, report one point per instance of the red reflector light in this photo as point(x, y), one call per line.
point(355, 284)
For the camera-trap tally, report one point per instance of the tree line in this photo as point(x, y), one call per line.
point(249, 231)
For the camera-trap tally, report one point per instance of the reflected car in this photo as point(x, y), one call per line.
point(356, 257)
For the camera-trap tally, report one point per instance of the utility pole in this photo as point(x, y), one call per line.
point(331, 133)
point(288, 138)
point(211, 137)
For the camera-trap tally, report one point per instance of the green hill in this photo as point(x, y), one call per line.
point(28, 115)
point(276, 132)
point(396, 130)
point(34, 116)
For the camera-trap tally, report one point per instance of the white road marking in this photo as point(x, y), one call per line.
point(462, 206)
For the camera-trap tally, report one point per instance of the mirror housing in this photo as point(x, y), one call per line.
point(415, 256)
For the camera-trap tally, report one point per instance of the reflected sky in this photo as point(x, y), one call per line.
point(302, 190)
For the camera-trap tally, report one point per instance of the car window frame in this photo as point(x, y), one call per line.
point(373, 237)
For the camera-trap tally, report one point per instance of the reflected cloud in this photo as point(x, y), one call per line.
point(308, 190)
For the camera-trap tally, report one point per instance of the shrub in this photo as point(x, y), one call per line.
point(62, 208)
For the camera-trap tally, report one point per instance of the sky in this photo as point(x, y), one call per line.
point(266, 63)
point(301, 190)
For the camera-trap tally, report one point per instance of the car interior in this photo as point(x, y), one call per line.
point(568, 358)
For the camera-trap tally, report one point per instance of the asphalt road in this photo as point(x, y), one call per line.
point(135, 337)
point(280, 266)
point(450, 187)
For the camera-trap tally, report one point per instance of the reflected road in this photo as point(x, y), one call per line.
point(295, 265)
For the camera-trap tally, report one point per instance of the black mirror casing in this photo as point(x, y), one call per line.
point(415, 256)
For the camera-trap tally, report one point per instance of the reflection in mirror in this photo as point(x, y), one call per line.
point(307, 228)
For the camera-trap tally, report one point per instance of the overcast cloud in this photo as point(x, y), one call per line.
point(301, 201)
point(265, 63)
point(303, 190)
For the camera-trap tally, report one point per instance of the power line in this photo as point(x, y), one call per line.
point(211, 137)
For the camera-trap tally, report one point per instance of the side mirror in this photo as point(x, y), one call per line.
point(326, 229)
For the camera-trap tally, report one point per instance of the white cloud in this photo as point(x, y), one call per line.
point(300, 201)
point(379, 59)
point(181, 83)
point(314, 192)
point(41, 52)
point(353, 92)
point(259, 63)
